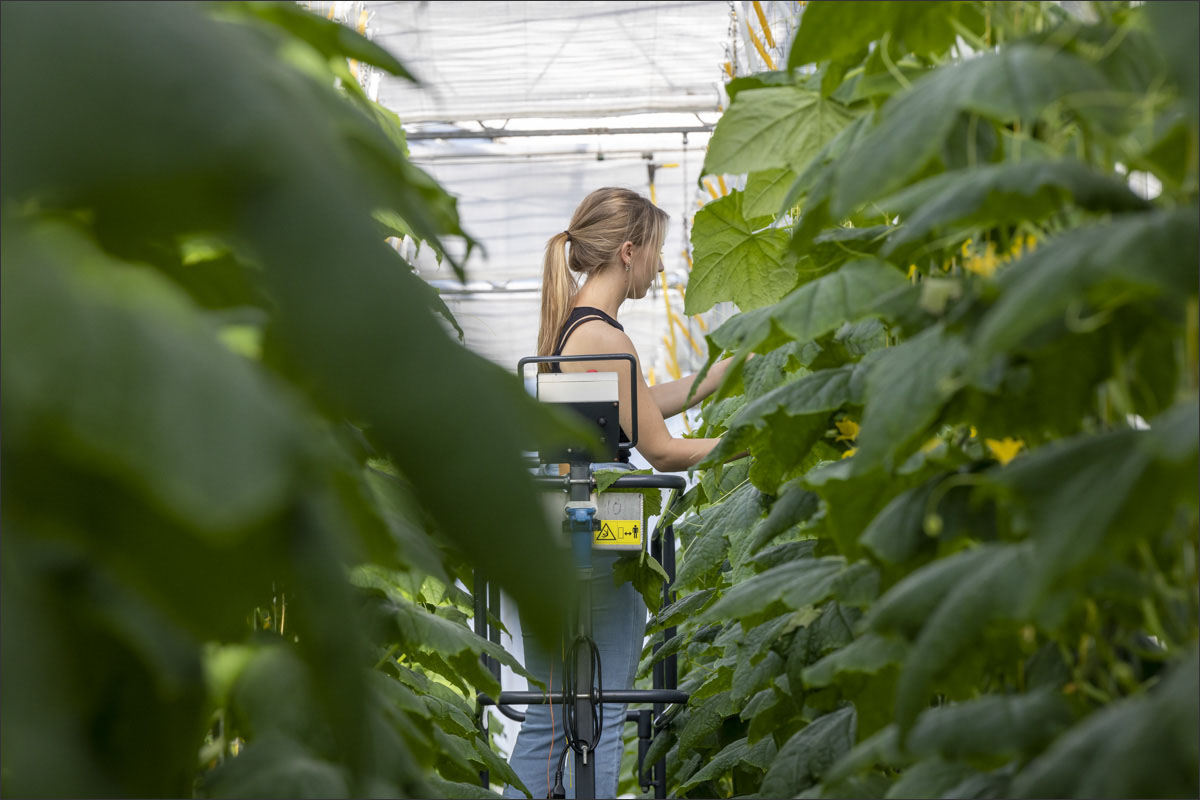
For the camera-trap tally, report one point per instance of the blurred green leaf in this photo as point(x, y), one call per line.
point(1140, 746)
point(1016, 83)
point(994, 194)
point(332, 39)
point(866, 655)
point(1150, 253)
point(809, 754)
point(831, 30)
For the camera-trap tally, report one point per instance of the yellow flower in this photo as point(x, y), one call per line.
point(912, 272)
point(1030, 242)
point(847, 430)
point(850, 452)
point(965, 245)
point(984, 265)
point(1005, 450)
point(974, 432)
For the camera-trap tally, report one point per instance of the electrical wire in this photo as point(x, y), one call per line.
point(570, 689)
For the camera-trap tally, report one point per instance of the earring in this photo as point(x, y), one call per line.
point(627, 266)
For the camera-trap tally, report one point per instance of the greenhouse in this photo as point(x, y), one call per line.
point(600, 399)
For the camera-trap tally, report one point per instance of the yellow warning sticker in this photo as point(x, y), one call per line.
point(618, 532)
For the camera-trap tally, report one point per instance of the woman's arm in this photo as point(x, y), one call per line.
point(665, 452)
point(670, 396)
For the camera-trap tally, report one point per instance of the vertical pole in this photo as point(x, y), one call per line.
point(585, 761)
point(493, 604)
point(479, 596)
point(645, 732)
point(659, 769)
point(494, 630)
point(671, 668)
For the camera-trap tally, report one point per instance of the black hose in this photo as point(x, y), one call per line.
point(570, 723)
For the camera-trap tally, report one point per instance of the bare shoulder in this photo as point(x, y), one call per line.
point(597, 336)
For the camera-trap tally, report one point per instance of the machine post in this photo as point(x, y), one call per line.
point(479, 595)
point(581, 538)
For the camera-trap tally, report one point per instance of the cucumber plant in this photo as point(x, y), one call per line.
point(236, 498)
point(961, 559)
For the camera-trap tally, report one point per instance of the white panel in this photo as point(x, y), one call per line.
point(586, 387)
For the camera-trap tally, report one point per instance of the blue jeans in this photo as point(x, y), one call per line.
point(618, 628)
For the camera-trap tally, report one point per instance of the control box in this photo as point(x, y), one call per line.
point(619, 519)
point(592, 395)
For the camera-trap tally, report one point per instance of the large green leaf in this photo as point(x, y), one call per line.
point(1172, 24)
point(995, 592)
point(284, 165)
point(419, 628)
point(906, 387)
point(1015, 83)
point(758, 80)
point(786, 551)
point(643, 571)
point(992, 725)
point(897, 533)
point(995, 194)
point(770, 128)
point(766, 190)
point(680, 610)
point(81, 330)
point(813, 309)
point(831, 30)
point(809, 754)
point(906, 606)
point(852, 500)
point(703, 719)
point(794, 505)
point(826, 390)
point(734, 516)
point(276, 766)
point(866, 655)
point(1151, 253)
point(795, 584)
point(881, 747)
point(1142, 746)
point(733, 755)
point(736, 258)
point(332, 39)
point(933, 777)
point(1089, 497)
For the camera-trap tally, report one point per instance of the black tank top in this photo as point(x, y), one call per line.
point(577, 317)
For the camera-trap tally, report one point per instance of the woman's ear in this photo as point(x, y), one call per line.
point(626, 252)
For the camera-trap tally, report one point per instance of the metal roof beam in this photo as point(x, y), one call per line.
point(415, 136)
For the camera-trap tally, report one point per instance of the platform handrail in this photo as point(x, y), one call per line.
point(633, 406)
point(670, 696)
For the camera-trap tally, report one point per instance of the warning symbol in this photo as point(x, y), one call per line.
point(620, 534)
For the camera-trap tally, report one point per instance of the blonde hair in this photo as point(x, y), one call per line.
point(605, 219)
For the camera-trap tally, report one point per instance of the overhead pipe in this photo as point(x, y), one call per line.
point(416, 136)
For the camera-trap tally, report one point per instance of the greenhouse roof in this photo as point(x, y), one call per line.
point(523, 108)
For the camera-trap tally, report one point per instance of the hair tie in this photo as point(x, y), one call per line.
point(567, 234)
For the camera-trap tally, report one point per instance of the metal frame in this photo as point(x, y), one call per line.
point(665, 677)
point(627, 446)
point(578, 485)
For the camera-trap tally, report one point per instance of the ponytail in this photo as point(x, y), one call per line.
point(558, 289)
point(603, 221)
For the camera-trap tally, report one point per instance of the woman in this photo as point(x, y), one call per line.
point(614, 241)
